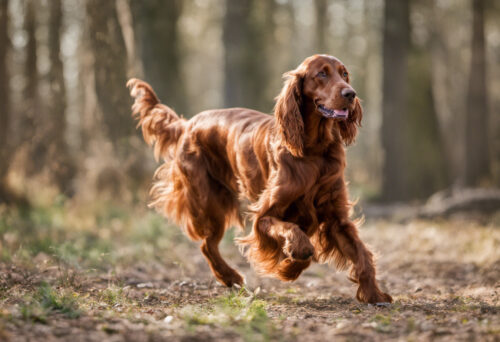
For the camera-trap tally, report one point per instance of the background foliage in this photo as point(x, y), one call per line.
point(426, 70)
point(82, 258)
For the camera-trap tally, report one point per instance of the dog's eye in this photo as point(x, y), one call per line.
point(321, 74)
point(345, 74)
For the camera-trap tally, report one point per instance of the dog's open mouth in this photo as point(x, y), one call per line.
point(333, 113)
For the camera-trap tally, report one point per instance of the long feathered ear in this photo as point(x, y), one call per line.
point(288, 116)
point(349, 128)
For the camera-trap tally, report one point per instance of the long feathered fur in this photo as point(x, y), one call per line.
point(290, 167)
point(161, 128)
point(288, 116)
point(160, 124)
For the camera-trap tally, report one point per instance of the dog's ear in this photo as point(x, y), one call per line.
point(349, 128)
point(288, 116)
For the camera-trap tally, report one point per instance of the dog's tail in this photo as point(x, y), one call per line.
point(161, 126)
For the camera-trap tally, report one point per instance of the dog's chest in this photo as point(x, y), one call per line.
point(326, 179)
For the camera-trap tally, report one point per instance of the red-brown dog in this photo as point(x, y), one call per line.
point(290, 166)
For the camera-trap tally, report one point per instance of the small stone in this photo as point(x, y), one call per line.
point(341, 325)
point(16, 277)
point(145, 285)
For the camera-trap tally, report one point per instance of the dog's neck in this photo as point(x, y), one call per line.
point(318, 130)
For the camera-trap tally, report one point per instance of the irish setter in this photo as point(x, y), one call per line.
point(290, 167)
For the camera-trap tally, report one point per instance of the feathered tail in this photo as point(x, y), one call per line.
point(161, 126)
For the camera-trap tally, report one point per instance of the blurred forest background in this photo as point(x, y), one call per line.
point(427, 72)
point(83, 258)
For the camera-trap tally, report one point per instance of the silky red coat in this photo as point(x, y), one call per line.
point(289, 166)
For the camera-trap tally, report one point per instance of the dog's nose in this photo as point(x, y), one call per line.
point(348, 93)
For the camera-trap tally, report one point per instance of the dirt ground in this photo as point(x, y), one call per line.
point(443, 275)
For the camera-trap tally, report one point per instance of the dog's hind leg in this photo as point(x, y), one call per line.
point(222, 271)
point(208, 218)
point(209, 208)
point(212, 220)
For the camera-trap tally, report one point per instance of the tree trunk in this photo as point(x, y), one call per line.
point(156, 22)
point(235, 36)
point(449, 118)
point(110, 68)
point(4, 96)
point(477, 160)
point(321, 10)
point(62, 168)
point(31, 124)
point(427, 170)
point(245, 68)
point(395, 99)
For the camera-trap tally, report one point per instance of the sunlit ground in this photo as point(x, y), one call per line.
point(102, 271)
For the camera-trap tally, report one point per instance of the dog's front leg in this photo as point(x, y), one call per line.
point(278, 248)
point(292, 249)
point(363, 272)
point(294, 243)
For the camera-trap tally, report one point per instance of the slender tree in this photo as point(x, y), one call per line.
point(427, 168)
point(321, 10)
point(235, 36)
point(395, 98)
point(4, 98)
point(477, 160)
point(266, 85)
point(62, 168)
point(245, 68)
point(110, 68)
point(156, 23)
point(31, 125)
point(449, 118)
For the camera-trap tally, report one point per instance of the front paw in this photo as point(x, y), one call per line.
point(383, 298)
point(231, 279)
point(373, 296)
point(298, 248)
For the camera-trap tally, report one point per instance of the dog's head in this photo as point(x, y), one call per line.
point(323, 81)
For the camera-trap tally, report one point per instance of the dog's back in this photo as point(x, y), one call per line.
point(230, 142)
point(210, 162)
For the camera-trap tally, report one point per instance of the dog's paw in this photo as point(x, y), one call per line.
point(290, 269)
point(384, 299)
point(233, 279)
point(373, 296)
point(298, 248)
point(237, 281)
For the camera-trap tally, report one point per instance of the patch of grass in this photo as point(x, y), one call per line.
point(95, 235)
point(383, 323)
point(410, 325)
point(46, 300)
point(112, 295)
point(64, 302)
point(88, 249)
point(151, 229)
point(463, 304)
point(244, 314)
point(356, 310)
point(33, 311)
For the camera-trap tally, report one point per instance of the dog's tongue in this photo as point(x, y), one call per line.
point(341, 113)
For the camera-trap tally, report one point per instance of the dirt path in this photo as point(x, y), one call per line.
point(445, 278)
